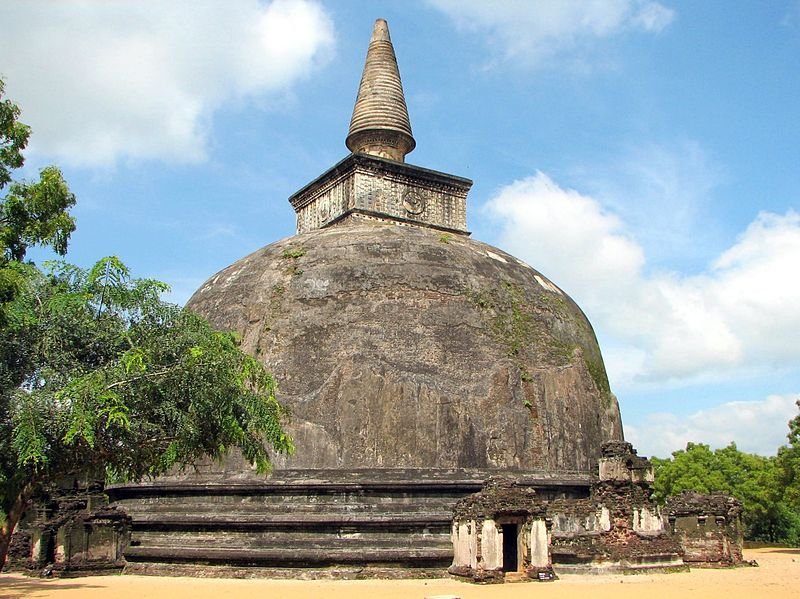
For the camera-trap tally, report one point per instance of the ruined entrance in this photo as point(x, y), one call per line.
point(510, 547)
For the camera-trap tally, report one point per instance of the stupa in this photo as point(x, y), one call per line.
point(417, 363)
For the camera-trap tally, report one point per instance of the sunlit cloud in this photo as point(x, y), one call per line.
point(104, 81)
point(534, 32)
point(755, 426)
point(737, 316)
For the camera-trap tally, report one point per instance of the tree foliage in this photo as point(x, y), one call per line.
point(31, 213)
point(98, 375)
point(118, 380)
point(789, 461)
point(35, 214)
point(13, 138)
point(767, 486)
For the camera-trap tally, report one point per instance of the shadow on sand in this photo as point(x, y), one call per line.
point(13, 586)
point(785, 550)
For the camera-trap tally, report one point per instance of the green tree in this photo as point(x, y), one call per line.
point(788, 462)
point(13, 138)
point(692, 469)
point(753, 479)
point(123, 385)
point(31, 213)
point(98, 375)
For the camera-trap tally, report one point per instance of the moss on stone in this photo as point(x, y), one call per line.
point(555, 302)
point(508, 315)
point(406, 315)
point(294, 253)
point(600, 378)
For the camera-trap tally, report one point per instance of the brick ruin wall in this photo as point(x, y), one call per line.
point(708, 527)
point(618, 528)
point(70, 532)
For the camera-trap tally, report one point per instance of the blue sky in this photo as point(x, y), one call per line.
point(643, 155)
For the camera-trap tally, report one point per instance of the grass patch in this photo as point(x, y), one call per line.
point(293, 254)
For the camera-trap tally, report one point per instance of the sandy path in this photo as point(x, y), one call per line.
point(778, 577)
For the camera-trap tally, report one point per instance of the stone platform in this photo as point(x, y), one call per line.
point(370, 523)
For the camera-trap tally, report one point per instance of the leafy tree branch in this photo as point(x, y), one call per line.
point(98, 375)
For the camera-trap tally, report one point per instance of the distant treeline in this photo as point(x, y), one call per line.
point(769, 487)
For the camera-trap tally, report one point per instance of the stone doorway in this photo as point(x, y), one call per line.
point(511, 547)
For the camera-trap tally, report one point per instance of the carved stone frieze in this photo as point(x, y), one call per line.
point(384, 190)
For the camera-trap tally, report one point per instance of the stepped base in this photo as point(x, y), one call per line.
point(338, 572)
point(306, 524)
point(662, 563)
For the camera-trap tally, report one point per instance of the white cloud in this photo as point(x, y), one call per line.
point(755, 426)
point(100, 81)
point(570, 234)
point(535, 31)
point(737, 317)
point(645, 178)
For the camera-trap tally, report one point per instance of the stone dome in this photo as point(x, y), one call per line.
point(417, 364)
point(407, 347)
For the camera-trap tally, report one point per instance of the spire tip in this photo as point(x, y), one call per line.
point(380, 125)
point(380, 31)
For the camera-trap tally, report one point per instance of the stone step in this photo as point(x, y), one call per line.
point(228, 520)
point(294, 555)
point(309, 507)
point(291, 540)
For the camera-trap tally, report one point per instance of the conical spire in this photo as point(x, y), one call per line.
point(380, 124)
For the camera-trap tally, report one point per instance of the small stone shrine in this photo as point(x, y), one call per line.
point(417, 364)
point(507, 529)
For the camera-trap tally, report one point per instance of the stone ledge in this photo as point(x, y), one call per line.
point(284, 555)
point(333, 572)
point(267, 521)
point(326, 481)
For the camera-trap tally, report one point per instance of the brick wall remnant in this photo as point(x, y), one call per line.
point(708, 527)
point(73, 531)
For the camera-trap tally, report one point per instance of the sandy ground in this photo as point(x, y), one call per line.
point(777, 577)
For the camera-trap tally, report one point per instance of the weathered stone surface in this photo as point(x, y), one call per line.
point(353, 524)
point(620, 463)
point(72, 531)
point(498, 497)
point(401, 347)
point(616, 528)
point(416, 363)
point(692, 503)
point(19, 551)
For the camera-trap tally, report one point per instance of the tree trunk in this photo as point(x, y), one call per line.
point(12, 518)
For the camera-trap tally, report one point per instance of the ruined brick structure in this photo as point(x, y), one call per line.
point(509, 529)
point(71, 530)
point(615, 529)
point(709, 528)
